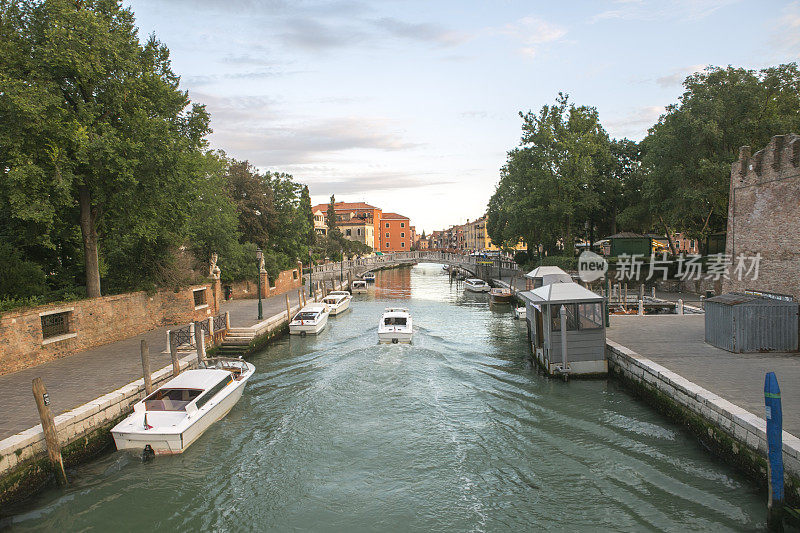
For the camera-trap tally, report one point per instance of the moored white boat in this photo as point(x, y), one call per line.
point(337, 302)
point(310, 320)
point(520, 312)
point(501, 295)
point(359, 286)
point(369, 277)
point(476, 285)
point(175, 415)
point(395, 326)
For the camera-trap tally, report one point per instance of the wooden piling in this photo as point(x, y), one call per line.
point(288, 309)
point(200, 345)
point(173, 353)
point(300, 295)
point(148, 377)
point(49, 429)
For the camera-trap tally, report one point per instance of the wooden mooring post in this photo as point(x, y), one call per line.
point(49, 429)
point(148, 377)
point(173, 353)
point(200, 345)
point(300, 297)
point(288, 309)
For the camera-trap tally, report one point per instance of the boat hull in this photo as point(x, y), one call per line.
point(471, 288)
point(392, 337)
point(308, 329)
point(175, 442)
point(344, 306)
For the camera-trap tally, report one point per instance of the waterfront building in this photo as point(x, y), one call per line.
point(395, 230)
point(320, 224)
point(358, 229)
point(346, 211)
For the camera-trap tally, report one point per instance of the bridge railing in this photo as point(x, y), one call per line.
point(447, 257)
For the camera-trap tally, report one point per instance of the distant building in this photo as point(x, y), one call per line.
point(320, 224)
point(347, 211)
point(359, 230)
point(395, 232)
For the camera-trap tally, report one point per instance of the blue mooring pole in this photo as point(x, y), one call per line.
point(772, 401)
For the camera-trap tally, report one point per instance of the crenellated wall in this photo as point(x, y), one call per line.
point(764, 215)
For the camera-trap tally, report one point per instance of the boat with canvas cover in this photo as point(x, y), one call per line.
point(175, 415)
point(369, 277)
point(359, 286)
point(501, 295)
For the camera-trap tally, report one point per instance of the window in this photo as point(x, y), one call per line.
point(579, 316)
point(199, 297)
point(402, 234)
point(55, 324)
point(387, 244)
point(387, 234)
point(358, 232)
point(387, 224)
point(294, 273)
point(348, 233)
point(171, 399)
point(402, 224)
point(210, 393)
point(402, 245)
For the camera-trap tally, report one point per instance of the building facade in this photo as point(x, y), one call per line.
point(395, 233)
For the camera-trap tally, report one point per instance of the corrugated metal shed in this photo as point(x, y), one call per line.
point(743, 323)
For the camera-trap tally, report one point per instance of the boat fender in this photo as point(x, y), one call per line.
point(148, 453)
point(395, 341)
point(302, 333)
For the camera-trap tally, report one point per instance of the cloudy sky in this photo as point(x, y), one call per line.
point(411, 106)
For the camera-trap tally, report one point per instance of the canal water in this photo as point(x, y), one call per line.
point(456, 432)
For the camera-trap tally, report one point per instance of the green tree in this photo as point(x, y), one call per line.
point(95, 131)
point(333, 231)
point(308, 214)
point(254, 199)
point(688, 152)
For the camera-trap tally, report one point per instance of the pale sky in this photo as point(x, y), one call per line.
point(412, 106)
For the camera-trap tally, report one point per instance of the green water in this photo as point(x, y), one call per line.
point(454, 433)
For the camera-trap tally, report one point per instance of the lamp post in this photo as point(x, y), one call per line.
point(341, 269)
point(259, 259)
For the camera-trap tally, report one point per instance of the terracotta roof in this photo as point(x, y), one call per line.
point(344, 206)
point(393, 216)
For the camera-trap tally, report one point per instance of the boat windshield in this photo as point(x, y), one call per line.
point(171, 399)
point(306, 315)
point(395, 321)
point(331, 300)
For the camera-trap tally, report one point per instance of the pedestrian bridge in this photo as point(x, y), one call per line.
point(477, 266)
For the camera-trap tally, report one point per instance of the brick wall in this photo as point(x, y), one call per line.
point(286, 281)
point(764, 215)
point(94, 322)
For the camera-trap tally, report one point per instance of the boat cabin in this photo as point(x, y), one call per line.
point(566, 325)
point(190, 386)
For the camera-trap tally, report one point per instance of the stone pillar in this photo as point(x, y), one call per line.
point(264, 284)
point(216, 288)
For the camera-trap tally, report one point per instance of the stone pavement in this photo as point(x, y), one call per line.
point(76, 379)
point(677, 342)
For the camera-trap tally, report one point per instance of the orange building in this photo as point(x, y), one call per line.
point(347, 211)
point(395, 233)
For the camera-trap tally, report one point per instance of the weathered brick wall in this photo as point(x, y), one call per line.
point(94, 322)
point(764, 215)
point(286, 281)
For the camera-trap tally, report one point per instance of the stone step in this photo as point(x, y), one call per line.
point(236, 342)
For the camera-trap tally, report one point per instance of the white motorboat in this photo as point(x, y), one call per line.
point(476, 285)
point(395, 326)
point(359, 286)
point(369, 277)
point(174, 416)
point(337, 302)
point(520, 312)
point(310, 320)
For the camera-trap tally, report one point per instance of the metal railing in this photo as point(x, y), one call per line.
point(220, 324)
point(203, 324)
point(447, 257)
point(183, 336)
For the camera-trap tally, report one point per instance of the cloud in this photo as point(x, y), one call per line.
point(531, 33)
point(635, 124)
point(313, 35)
point(650, 10)
point(474, 114)
point(424, 32)
point(207, 79)
point(787, 36)
point(677, 76)
point(376, 181)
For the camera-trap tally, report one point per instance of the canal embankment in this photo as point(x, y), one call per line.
point(83, 431)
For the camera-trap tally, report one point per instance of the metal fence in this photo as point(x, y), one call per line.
point(220, 324)
point(183, 336)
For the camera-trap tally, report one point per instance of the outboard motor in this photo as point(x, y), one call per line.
point(148, 454)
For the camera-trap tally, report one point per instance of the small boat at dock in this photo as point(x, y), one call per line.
point(501, 295)
point(359, 286)
point(171, 418)
point(369, 277)
point(395, 326)
point(310, 320)
point(337, 302)
point(520, 312)
point(476, 285)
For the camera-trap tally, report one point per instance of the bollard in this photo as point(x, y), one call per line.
point(564, 362)
point(200, 345)
point(641, 307)
point(148, 377)
point(49, 429)
point(772, 401)
point(653, 291)
point(680, 306)
point(173, 353)
point(641, 291)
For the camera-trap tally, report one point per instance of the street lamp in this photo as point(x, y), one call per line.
point(259, 259)
point(341, 269)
